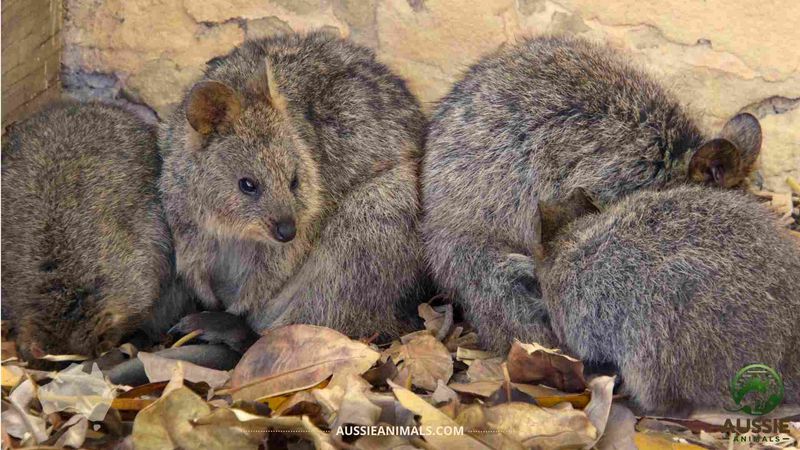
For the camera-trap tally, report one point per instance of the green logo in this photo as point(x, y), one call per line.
point(756, 389)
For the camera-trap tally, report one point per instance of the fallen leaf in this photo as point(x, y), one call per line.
point(297, 357)
point(378, 375)
point(457, 340)
point(542, 428)
point(443, 394)
point(159, 369)
point(486, 369)
point(19, 423)
point(383, 442)
point(599, 407)
point(619, 431)
point(170, 423)
point(12, 375)
point(75, 435)
point(355, 407)
point(433, 319)
point(468, 354)
point(654, 441)
point(300, 403)
point(432, 417)
point(532, 363)
point(74, 390)
point(544, 396)
point(424, 360)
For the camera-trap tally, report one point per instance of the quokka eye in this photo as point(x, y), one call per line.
point(295, 182)
point(248, 186)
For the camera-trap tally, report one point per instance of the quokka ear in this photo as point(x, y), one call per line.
point(727, 160)
point(212, 106)
point(266, 87)
point(551, 216)
point(744, 131)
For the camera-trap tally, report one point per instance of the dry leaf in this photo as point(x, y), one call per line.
point(297, 357)
point(542, 428)
point(159, 368)
point(619, 431)
point(658, 441)
point(599, 407)
point(430, 416)
point(383, 443)
point(12, 375)
point(433, 319)
point(170, 423)
point(486, 369)
point(544, 396)
point(74, 390)
point(468, 354)
point(532, 363)
point(75, 435)
point(355, 408)
point(424, 360)
point(443, 394)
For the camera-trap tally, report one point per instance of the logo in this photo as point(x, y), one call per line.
point(756, 390)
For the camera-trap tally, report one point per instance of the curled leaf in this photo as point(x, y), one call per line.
point(532, 363)
point(297, 357)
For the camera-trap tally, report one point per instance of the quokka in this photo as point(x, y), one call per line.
point(290, 184)
point(86, 248)
point(678, 289)
point(531, 122)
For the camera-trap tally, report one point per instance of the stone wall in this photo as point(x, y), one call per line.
point(719, 56)
point(31, 34)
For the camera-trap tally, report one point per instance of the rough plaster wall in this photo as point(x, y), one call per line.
point(719, 56)
point(31, 34)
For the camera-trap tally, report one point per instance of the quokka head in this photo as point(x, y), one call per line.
point(727, 160)
point(253, 176)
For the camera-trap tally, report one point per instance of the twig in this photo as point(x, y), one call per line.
point(187, 338)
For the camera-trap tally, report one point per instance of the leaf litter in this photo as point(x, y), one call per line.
point(303, 386)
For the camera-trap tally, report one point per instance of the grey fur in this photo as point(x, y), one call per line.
point(325, 108)
point(679, 289)
point(85, 244)
point(534, 121)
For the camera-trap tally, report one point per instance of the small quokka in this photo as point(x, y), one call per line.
point(290, 184)
point(534, 121)
point(86, 249)
point(678, 289)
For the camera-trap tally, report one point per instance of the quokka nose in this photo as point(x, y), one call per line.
point(284, 230)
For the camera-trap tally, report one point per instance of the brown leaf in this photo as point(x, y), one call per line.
point(544, 396)
point(169, 423)
point(542, 428)
point(430, 416)
point(356, 408)
point(160, 369)
point(486, 369)
point(378, 375)
point(424, 359)
point(468, 354)
point(532, 363)
point(599, 407)
point(297, 357)
point(619, 431)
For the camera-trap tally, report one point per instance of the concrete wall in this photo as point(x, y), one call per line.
point(719, 56)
